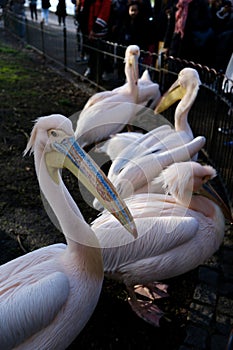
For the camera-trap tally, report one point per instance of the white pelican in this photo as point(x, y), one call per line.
point(176, 233)
point(108, 112)
point(48, 295)
point(164, 137)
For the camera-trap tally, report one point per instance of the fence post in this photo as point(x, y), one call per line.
point(42, 38)
point(65, 47)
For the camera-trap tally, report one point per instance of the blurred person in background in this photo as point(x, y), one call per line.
point(45, 5)
point(61, 12)
point(93, 17)
point(33, 9)
point(137, 28)
point(190, 35)
point(223, 30)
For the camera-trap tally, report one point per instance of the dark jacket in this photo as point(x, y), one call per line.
point(45, 4)
point(61, 8)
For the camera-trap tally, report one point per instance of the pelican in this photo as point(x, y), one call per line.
point(108, 112)
point(48, 295)
point(177, 232)
point(164, 137)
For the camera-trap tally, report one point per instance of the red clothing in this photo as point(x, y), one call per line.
point(97, 13)
point(181, 16)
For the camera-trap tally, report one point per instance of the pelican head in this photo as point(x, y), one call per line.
point(187, 84)
point(183, 179)
point(61, 151)
point(132, 54)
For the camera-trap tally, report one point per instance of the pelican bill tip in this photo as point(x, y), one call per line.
point(131, 227)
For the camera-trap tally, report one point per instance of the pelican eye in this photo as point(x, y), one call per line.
point(53, 133)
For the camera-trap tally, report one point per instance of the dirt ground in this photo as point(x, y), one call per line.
point(29, 89)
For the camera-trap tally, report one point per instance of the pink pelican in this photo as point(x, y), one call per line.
point(107, 113)
point(48, 295)
point(177, 232)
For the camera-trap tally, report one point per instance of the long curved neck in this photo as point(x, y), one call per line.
point(72, 223)
point(132, 83)
point(182, 110)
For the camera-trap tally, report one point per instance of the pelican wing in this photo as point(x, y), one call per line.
point(117, 143)
point(14, 268)
point(156, 235)
point(157, 245)
point(102, 120)
point(145, 169)
point(136, 148)
point(31, 309)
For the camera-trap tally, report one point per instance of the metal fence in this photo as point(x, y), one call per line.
point(212, 110)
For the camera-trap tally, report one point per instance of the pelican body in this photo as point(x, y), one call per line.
point(48, 295)
point(108, 112)
point(177, 232)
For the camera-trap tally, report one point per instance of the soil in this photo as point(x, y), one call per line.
point(30, 89)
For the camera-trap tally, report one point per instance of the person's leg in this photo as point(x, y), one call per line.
point(35, 11)
point(31, 10)
point(96, 61)
point(46, 16)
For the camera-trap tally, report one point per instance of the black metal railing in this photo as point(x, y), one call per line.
point(211, 114)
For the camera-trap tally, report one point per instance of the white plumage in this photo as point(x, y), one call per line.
point(177, 232)
point(47, 296)
point(140, 175)
point(108, 112)
point(117, 143)
point(148, 91)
